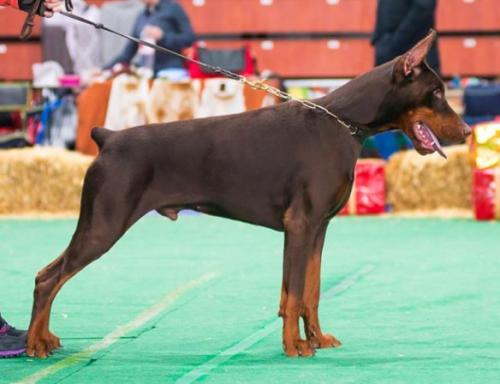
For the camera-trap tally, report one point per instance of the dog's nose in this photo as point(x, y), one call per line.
point(467, 130)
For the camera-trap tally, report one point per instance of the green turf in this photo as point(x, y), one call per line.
point(429, 311)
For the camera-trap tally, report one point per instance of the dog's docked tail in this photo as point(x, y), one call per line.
point(100, 135)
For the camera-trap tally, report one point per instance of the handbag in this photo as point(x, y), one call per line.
point(237, 60)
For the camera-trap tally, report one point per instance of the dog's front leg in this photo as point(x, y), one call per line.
point(299, 242)
point(312, 294)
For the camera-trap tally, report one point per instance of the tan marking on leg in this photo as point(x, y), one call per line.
point(293, 222)
point(311, 303)
point(41, 342)
point(311, 297)
point(284, 295)
point(287, 217)
point(293, 345)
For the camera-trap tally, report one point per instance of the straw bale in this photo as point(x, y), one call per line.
point(49, 181)
point(44, 180)
point(426, 183)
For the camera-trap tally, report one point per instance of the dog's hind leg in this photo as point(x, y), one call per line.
point(110, 205)
point(311, 297)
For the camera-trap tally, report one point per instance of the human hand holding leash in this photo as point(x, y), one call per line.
point(153, 32)
point(52, 6)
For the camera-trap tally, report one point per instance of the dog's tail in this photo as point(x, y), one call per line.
point(100, 136)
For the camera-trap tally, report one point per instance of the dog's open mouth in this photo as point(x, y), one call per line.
point(426, 138)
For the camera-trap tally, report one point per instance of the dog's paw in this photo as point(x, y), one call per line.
point(325, 341)
point(42, 346)
point(54, 341)
point(299, 348)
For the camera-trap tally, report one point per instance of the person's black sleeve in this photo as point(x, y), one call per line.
point(184, 36)
point(128, 52)
point(410, 28)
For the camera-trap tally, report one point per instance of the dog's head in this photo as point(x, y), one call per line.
point(418, 98)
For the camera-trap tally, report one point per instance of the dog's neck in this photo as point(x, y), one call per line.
point(358, 102)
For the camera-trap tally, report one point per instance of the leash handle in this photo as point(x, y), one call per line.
point(38, 8)
point(27, 28)
point(29, 22)
point(69, 5)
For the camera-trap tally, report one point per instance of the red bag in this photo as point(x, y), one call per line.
point(237, 60)
point(368, 192)
point(486, 194)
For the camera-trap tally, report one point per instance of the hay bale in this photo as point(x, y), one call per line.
point(426, 183)
point(41, 180)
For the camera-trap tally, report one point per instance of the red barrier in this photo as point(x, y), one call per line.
point(16, 60)
point(368, 193)
point(486, 193)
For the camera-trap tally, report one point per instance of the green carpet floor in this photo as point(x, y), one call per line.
point(426, 309)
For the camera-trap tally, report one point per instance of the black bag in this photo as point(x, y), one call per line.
point(482, 100)
point(14, 95)
point(230, 59)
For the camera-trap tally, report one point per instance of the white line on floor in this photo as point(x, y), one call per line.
point(119, 332)
point(246, 343)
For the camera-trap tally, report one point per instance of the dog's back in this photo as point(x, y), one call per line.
point(242, 164)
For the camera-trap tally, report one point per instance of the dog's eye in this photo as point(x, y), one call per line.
point(438, 93)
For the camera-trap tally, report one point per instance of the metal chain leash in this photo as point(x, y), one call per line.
point(257, 84)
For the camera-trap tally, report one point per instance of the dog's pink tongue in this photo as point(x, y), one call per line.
point(428, 139)
point(436, 144)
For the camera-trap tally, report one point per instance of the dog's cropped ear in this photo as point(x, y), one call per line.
point(412, 59)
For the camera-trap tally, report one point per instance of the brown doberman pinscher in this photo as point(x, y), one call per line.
point(284, 167)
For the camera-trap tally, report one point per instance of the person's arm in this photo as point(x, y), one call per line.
point(410, 28)
point(128, 52)
point(378, 24)
point(52, 6)
point(184, 37)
